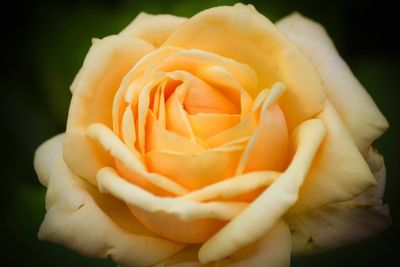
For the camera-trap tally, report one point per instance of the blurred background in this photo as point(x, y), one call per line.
point(45, 44)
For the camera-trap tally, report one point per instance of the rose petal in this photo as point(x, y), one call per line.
point(45, 157)
point(221, 78)
point(160, 139)
point(339, 171)
point(203, 98)
point(339, 224)
point(356, 108)
point(194, 171)
point(108, 60)
point(206, 125)
point(112, 144)
point(267, 148)
point(153, 28)
point(264, 212)
point(270, 147)
point(273, 250)
point(172, 217)
point(94, 224)
point(243, 34)
point(233, 187)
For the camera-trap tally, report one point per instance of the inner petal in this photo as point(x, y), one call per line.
point(206, 125)
point(160, 139)
point(203, 98)
point(194, 171)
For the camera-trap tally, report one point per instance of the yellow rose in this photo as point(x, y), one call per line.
point(223, 139)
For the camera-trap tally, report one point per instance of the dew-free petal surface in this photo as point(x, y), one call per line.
point(130, 161)
point(45, 157)
point(106, 63)
point(153, 28)
point(273, 250)
point(94, 224)
point(255, 41)
point(339, 224)
point(356, 108)
point(264, 212)
point(174, 218)
point(339, 171)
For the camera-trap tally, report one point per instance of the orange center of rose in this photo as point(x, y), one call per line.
point(198, 119)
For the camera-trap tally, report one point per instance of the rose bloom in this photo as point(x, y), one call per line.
point(219, 140)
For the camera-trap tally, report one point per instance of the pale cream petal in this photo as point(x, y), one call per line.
point(356, 108)
point(153, 28)
point(233, 187)
point(171, 217)
point(339, 171)
point(243, 34)
point(114, 146)
point(273, 250)
point(194, 171)
point(339, 224)
point(264, 212)
point(107, 62)
point(45, 157)
point(97, 225)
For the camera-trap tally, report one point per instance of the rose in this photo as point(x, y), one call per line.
point(231, 140)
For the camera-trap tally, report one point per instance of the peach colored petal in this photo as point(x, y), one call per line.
point(264, 212)
point(221, 78)
point(356, 108)
point(160, 139)
point(172, 217)
point(233, 187)
point(113, 145)
point(153, 28)
point(243, 34)
point(128, 129)
point(134, 80)
point(206, 125)
point(339, 171)
point(108, 60)
point(93, 224)
point(267, 148)
point(203, 98)
point(238, 133)
point(198, 62)
point(273, 250)
point(176, 118)
point(194, 171)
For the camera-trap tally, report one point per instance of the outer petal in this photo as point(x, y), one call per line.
point(342, 223)
point(243, 34)
point(93, 224)
point(263, 213)
point(153, 28)
point(93, 89)
point(273, 250)
point(45, 157)
point(339, 171)
point(171, 217)
point(355, 106)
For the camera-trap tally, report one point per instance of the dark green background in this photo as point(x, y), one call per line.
point(45, 44)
